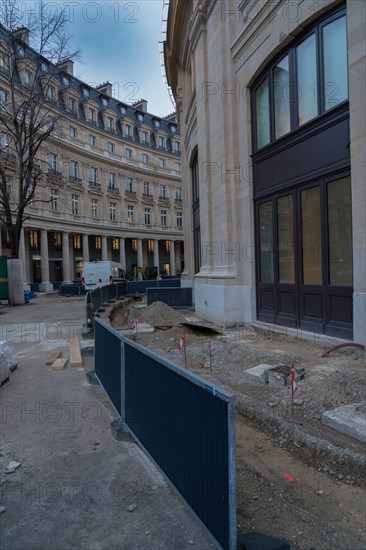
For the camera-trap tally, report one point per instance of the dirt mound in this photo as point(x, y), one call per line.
point(157, 313)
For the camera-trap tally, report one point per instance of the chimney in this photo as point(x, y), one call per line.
point(141, 104)
point(21, 33)
point(105, 88)
point(66, 65)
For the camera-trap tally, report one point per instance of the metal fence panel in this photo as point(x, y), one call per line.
point(174, 297)
point(108, 359)
point(188, 431)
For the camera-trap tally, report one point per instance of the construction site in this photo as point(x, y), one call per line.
point(307, 446)
point(300, 478)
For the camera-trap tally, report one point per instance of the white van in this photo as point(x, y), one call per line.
point(96, 274)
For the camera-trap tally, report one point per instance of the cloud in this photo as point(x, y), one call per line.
point(119, 42)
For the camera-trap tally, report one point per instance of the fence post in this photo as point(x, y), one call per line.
point(123, 386)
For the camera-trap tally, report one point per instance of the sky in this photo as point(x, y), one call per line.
point(119, 42)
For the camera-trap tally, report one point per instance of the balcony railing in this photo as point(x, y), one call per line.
point(163, 198)
point(74, 179)
point(147, 196)
point(112, 189)
point(130, 193)
point(52, 172)
point(95, 185)
point(178, 201)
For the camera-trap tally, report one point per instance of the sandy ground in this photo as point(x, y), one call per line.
point(297, 479)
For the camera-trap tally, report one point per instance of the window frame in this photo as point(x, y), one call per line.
point(113, 211)
point(75, 204)
point(317, 30)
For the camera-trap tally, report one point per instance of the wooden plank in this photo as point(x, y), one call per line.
point(75, 354)
point(53, 356)
point(59, 363)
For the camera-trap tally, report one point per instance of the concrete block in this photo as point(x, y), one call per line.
point(349, 420)
point(258, 373)
point(278, 375)
point(276, 380)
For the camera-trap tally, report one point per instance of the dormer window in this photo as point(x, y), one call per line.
point(140, 117)
point(44, 67)
point(86, 93)
point(161, 143)
point(105, 102)
point(51, 93)
point(2, 61)
point(3, 96)
point(157, 123)
point(123, 110)
point(173, 129)
point(72, 105)
point(128, 131)
point(26, 77)
point(65, 81)
point(145, 137)
point(21, 52)
point(110, 124)
point(91, 116)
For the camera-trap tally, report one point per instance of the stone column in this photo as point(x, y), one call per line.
point(104, 249)
point(156, 255)
point(85, 248)
point(122, 252)
point(172, 258)
point(45, 285)
point(139, 257)
point(66, 258)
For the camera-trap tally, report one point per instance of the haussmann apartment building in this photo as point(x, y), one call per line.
point(271, 103)
point(113, 188)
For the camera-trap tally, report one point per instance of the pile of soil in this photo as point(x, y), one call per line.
point(157, 313)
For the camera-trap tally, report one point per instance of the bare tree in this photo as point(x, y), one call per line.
point(29, 116)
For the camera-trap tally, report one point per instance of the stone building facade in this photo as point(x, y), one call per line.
point(113, 188)
point(271, 101)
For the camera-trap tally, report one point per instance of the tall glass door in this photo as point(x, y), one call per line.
point(305, 257)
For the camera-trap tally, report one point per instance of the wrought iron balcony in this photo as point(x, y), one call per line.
point(74, 179)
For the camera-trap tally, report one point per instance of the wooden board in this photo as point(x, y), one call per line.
point(59, 363)
point(75, 354)
point(53, 356)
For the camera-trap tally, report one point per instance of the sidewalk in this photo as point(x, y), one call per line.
point(76, 488)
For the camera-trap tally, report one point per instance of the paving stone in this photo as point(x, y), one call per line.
point(349, 420)
point(258, 373)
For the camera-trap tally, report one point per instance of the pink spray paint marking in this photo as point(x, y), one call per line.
point(290, 478)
